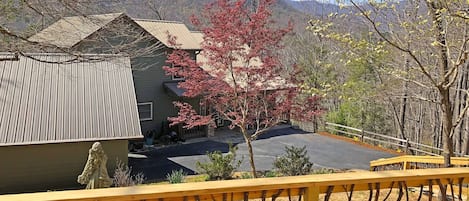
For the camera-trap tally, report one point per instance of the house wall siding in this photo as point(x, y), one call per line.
point(149, 88)
point(51, 166)
point(148, 59)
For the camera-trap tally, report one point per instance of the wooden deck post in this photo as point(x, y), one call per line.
point(312, 193)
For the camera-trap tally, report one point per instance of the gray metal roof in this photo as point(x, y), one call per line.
point(161, 28)
point(52, 103)
point(69, 31)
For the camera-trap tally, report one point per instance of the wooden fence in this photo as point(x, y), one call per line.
point(308, 188)
point(385, 140)
point(415, 162)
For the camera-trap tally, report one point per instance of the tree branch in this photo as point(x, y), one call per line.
point(412, 55)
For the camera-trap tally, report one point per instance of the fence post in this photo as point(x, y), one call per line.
point(312, 193)
point(362, 135)
point(407, 146)
point(406, 164)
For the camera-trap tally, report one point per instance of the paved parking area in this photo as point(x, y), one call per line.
point(322, 150)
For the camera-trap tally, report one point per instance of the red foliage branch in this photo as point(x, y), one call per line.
point(240, 77)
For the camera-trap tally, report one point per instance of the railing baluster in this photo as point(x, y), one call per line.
point(450, 182)
point(377, 186)
point(442, 190)
point(246, 196)
point(289, 194)
point(370, 188)
point(275, 196)
point(390, 190)
point(430, 190)
point(400, 191)
point(349, 196)
point(328, 193)
point(406, 191)
point(460, 180)
point(300, 194)
point(264, 194)
point(421, 192)
point(224, 197)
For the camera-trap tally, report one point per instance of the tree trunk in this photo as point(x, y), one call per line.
point(251, 158)
point(436, 8)
point(447, 117)
point(465, 147)
point(464, 122)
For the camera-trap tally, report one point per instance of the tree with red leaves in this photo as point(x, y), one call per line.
point(238, 73)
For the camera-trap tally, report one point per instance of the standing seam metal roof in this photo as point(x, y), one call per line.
point(44, 103)
point(69, 31)
point(160, 30)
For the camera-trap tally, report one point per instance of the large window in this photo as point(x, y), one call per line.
point(145, 111)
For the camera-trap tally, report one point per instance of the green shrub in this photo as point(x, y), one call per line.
point(294, 162)
point(176, 176)
point(323, 171)
point(220, 166)
point(270, 174)
point(246, 175)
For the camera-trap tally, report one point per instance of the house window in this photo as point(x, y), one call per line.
point(175, 77)
point(219, 121)
point(145, 111)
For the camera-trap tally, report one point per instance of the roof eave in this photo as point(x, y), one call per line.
point(70, 141)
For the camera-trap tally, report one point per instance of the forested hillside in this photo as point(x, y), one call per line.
point(394, 68)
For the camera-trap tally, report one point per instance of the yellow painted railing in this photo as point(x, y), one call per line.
point(302, 187)
point(415, 162)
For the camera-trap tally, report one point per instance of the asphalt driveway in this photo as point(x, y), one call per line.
point(323, 152)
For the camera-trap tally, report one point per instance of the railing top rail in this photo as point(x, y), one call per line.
point(342, 126)
point(418, 159)
point(413, 144)
point(359, 179)
point(367, 132)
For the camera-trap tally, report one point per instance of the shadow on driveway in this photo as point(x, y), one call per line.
point(281, 132)
point(322, 150)
point(159, 162)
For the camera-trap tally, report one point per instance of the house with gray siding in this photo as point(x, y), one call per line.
point(146, 43)
point(53, 107)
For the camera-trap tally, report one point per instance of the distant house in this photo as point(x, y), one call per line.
point(146, 42)
point(51, 113)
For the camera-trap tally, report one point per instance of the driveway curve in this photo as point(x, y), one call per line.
point(324, 152)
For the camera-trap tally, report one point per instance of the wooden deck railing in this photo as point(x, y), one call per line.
point(389, 141)
point(306, 188)
point(415, 162)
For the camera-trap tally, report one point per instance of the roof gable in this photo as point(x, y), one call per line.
point(44, 103)
point(68, 31)
point(160, 30)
